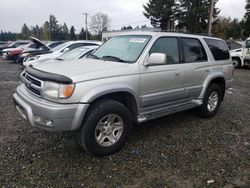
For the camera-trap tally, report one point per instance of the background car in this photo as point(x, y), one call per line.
point(13, 45)
point(40, 48)
point(61, 49)
point(13, 53)
point(77, 53)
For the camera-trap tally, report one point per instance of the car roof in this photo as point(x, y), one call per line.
point(84, 41)
point(158, 34)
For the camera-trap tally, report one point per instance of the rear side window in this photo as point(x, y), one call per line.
point(193, 50)
point(218, 49)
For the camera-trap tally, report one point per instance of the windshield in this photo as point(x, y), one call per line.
point(59, 47)
point(73, 54)
point(125, 48)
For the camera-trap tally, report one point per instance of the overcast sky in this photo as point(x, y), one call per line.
point(13, 13)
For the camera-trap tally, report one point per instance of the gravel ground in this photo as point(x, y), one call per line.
point(180, 150)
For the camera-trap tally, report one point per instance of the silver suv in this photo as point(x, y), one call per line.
point(132, 77)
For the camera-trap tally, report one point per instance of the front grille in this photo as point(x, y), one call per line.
point(33, 84)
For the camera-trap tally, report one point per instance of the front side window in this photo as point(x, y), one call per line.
point(168, 46)
point(193, 50)
point(124, 48)
point(218, 48)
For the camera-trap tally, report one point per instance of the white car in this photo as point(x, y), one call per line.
point(77, 53)
point(59, 50)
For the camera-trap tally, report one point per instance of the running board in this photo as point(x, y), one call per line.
point(168, 110)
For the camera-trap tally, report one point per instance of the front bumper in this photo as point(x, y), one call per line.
point(64, 117)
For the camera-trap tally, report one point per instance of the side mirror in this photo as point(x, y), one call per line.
point(65, 50)
point(157, 59)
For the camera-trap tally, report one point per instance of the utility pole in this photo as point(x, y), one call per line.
point(210, 19)
point(86, 22)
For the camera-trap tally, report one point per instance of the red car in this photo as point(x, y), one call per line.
point(13, 53)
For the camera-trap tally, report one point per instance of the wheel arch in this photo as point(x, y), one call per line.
point(217, 79)
point(122, 93)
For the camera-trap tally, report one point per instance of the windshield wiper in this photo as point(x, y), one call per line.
point(116, 58)
point(93, 56)
point(59, 59)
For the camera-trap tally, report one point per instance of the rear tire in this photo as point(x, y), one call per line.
point(105, 128)
point(211, 102)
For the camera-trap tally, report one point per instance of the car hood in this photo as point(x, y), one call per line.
point(86, 69)
point(39, 43)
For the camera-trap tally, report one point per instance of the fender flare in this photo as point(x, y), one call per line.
point(102, 90)
point(207, 82)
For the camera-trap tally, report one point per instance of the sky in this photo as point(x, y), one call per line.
point(14, 13)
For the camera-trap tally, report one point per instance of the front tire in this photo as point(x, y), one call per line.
point(211, 102)
point(105, 128)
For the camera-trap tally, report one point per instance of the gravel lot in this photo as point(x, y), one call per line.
point(181, 150)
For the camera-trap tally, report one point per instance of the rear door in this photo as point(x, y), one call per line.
point(196, 66)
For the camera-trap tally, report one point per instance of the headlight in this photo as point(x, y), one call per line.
point(54, 91)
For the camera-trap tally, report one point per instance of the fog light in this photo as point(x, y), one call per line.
point(42, 120)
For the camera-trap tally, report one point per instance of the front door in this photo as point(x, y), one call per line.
point(162, 85)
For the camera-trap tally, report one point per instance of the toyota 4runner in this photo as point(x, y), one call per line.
point(132, 77)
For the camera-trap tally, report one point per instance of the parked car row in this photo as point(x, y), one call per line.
point(35, 51)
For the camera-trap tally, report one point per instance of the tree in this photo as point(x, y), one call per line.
point(126, 27)
point(247, 18)
point(45, 31)
point(99, 22)
point(160, 12)
point(193, 15)
point(25, 31)
point(54, 28)
point(82, 35)
point(72, 34)
point(65, 31)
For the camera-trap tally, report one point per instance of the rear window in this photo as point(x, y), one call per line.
point(218, 49)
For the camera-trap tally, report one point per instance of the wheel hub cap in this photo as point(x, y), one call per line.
point(109, 130)
point(213, 100)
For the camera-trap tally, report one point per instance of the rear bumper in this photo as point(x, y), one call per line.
point(64, 117)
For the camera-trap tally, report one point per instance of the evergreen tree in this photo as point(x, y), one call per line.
point(45, 31)
point(65, 31)
point(82, 35)
point(72, 33)
point(193, 15)
point(38, 33)
point(160, 13)
point(54, 28)
point(25, 32)
point(247, 18)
